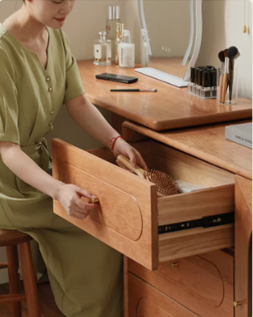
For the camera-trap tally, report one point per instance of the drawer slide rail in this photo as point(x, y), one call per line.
point(205, 222)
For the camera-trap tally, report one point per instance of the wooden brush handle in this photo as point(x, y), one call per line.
point(139, 171)
point(220, 89)
point(224, 87)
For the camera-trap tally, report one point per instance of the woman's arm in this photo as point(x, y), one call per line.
point(27, 170)
point(92, 121)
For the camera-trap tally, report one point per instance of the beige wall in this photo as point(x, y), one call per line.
point(222, 28)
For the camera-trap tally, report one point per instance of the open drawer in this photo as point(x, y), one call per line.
point(130, 211)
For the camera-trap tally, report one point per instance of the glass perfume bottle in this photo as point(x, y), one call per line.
point(102, 50)
point(112, 19)
point(118, 40)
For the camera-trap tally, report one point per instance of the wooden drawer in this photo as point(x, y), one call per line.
point(202, 283)
point(130, 211)
point(146, 301)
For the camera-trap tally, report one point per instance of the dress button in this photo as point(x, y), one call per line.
point(51, 123)
point(48, 79)
point(50, 89)
point(52, 112)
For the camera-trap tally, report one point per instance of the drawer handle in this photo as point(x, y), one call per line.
point(95, 201)
point(236, 304)
point(174, 264)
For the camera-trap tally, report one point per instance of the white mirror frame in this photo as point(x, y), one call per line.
point(170, 79)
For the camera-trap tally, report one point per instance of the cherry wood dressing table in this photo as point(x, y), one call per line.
point(193, 272)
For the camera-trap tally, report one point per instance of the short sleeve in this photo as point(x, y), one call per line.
point(74, 87)
point(9, 131)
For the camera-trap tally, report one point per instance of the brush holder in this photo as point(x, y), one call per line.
point(227, 87)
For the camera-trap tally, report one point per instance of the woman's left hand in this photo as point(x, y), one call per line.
point(122, 147)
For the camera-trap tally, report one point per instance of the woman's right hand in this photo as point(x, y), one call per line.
point(70, 196)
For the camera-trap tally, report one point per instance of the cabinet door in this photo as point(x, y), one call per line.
point(147, 301)
point(243, 236)
point(204, 283)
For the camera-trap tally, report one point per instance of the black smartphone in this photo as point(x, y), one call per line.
point(119, 78)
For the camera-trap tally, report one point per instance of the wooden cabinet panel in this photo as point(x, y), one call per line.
point(203, 284)
point(146, 301)
point(115, 224)
point(243, 243)
point(130, 211)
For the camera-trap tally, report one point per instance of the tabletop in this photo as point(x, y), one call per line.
point(168, 108)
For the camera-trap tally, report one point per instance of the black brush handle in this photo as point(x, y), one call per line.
point(231, 77)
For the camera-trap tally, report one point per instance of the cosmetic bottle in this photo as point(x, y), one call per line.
point(126, 51)
point(203, 82)
point(111, 21)
point(112, 18)
point(118, 40)
point(102, 50)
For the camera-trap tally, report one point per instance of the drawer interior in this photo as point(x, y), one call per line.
point(177, 164)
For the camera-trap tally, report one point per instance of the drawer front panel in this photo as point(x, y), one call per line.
point(203, 284)
point(195, 205)
point(186, 243)
point(146, 301)
point(114, 216)
point(127, 217)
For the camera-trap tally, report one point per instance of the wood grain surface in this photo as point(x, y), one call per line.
point(147, 301)
point(207, 143)
point(203, 283)
point(170, 107)
point(126, 218)
point(243, 236)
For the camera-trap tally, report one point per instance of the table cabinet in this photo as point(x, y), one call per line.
point(243, 247)
point(182, 273)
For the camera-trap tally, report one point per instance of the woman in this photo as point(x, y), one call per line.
point(37, 75)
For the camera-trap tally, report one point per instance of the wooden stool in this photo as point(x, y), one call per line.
point(11, 240)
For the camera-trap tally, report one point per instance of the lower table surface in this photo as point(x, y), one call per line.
point(207, 143)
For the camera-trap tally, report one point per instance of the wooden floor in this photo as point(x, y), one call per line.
point(46, 301)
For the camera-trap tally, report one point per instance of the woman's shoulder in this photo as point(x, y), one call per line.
point(60, 36)
point(8, 44)
point(3, 36)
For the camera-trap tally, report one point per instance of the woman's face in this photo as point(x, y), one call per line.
point(51, 13)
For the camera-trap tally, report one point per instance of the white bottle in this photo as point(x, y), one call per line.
point(126, 51)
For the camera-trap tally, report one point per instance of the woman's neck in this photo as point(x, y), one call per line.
point(22, 23)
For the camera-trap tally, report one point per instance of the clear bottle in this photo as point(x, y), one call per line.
point(111, 21)
point(102, 50)
point(118, 40)
point(126, 51)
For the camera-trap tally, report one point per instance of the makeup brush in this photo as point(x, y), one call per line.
point(165, 184)
point(221, 57)
point(225, 81)
point(232, 54)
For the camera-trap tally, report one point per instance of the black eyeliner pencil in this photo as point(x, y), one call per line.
point(136, 90)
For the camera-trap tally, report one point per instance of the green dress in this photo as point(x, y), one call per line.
point(85, 274)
